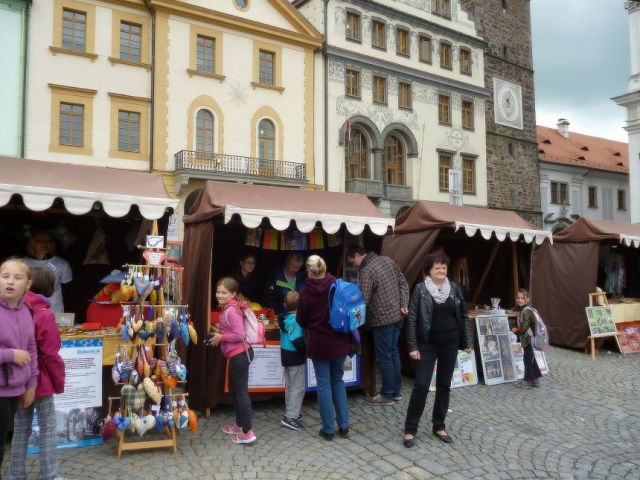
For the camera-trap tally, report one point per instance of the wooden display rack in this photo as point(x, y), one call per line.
point(596, 340)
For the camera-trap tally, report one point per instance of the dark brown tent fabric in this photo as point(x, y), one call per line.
point(563, 276)
point(585, 230)
point(196, 257)
point(410, 251)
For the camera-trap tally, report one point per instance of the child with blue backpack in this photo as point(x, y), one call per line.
point(293, 357)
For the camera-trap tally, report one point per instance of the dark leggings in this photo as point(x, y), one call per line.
point(239, 388)
point(531, 369)
point(8, 407)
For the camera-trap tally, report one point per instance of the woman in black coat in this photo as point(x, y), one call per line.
point(438, 327)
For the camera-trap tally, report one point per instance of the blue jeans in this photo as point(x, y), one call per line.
point(385, 341)
point(331, 393)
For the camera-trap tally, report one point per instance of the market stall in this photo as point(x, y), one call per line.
point(482, 262)
point(586, 255)
point(216, 232)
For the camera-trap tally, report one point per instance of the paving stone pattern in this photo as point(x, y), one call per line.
point(583, 423)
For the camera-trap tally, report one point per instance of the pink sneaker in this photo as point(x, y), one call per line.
point(231, 429)
point(244, 437)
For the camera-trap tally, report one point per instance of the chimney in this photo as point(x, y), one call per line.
point(563, 127)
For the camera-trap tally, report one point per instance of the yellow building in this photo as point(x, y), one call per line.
point(192, 89)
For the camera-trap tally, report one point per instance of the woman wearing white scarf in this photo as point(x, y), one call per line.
point(438, 327)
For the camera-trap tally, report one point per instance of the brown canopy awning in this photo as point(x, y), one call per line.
point(586, 230)
point(39, 183)
point(425, 215)
point(253, 203)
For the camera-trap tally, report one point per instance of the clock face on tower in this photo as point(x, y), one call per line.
point(508, 103)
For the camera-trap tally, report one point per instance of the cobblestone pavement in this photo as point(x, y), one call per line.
point(583, 423)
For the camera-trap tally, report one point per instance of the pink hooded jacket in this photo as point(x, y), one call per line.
point(50, 363)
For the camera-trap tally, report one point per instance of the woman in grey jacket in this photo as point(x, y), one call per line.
point(438, 327)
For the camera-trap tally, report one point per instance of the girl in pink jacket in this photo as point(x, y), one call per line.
point(50, 381)
point(239, 353)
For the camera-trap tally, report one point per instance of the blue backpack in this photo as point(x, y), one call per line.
point(347, 308)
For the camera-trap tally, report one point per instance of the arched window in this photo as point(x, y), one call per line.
point(266, 140)
point(204, 131)
point(356, 155)
point(393, 161)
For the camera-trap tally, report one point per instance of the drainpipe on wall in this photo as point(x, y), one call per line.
point(152, 12)
point(326, 98)
point(23, 118)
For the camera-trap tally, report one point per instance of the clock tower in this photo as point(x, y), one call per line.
point(513, 180)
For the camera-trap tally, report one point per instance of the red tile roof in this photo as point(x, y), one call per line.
point(582, 150)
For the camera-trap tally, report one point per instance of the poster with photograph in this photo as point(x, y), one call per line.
point(518, 358)
point(79, 408)
point(351, 375)
point(266, 373)
point(465, 372)
point(601, 320)
point(629, 341)
point(495, 349)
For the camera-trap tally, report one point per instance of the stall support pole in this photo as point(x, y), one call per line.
point(492, 257)
point(514, 260)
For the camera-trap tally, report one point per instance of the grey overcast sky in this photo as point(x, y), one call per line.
point(581, 60)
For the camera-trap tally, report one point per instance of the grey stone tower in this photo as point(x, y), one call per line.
point(512, 154)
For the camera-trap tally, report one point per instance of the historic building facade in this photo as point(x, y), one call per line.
point(13, 38)
point(631, 101)
point(581, 176)
point(512, 160)
point(403, 100)
point(194, 89)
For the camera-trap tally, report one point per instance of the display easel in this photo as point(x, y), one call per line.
point(600, 298)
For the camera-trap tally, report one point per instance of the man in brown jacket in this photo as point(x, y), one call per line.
point(386, 294)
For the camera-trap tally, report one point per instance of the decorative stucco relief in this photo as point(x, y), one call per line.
point(456, 139)
point(237, 93)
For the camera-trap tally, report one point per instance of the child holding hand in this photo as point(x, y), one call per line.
point(18, 354)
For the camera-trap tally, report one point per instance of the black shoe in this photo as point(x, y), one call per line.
point(344, 432)
point(443, 438)
point(325, 435)
point(409, 442)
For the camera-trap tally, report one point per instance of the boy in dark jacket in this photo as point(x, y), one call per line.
point(293, 356)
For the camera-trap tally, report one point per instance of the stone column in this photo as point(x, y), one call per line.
point(378, 159)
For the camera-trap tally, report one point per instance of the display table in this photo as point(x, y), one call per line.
point(625, 312)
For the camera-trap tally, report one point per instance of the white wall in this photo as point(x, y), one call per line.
point(11, 61)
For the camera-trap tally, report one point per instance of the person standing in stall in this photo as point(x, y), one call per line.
point(326, 348)
point(525, 329)
point(285, 279)
point(50, 380)
point(245, 276)
point(41, 251)
point(18, 352)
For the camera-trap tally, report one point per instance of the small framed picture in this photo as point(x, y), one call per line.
point(155, 241)
point(65, 319)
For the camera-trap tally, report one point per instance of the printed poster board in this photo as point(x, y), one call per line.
point(601, 320)
point(266, 373)
point(79, 408)
point(518, 358)
point(495, 349)
point(351, 375)
point(630, 340)
point(465, 372)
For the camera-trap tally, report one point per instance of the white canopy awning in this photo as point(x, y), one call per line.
point(630, 240)
point(80, 187)
point(514, 233)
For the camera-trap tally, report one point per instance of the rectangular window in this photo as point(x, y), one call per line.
point(465, 61)
point(128, 131)
point(425, 49)
point(402, 42)
point(404, 95)
point(559, 193)
point(444, 110)
point(445, 162)
point(468, 175)
point(205, 54)
point(378, 35)
point(130, 41)
point(445, 55)
point(267, 60)
point(622, 200)
point(379, 89)
point(467, 115)
point(353, 27)
point(74, 30)
point(353, 83)
point(71, 124)
point(441, 7)
point(593, 197)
